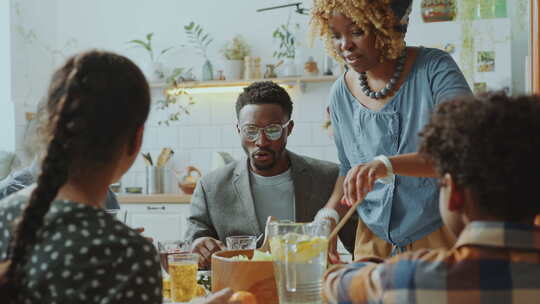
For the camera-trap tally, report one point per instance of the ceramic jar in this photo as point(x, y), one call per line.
point(438, 10)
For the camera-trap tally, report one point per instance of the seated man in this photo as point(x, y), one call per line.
point(272, 181)
point(486, 153)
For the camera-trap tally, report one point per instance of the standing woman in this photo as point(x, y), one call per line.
point(57, 243)
point(377, 109)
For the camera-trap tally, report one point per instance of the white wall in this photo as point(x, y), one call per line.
point(7, 114)
point(81, 25)
point(508, 37)
point(68, 26)
point(34, 54)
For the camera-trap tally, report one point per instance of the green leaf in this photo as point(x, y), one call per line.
point(166, 50)
point(190, 26)
point(149, 37)
point(140, 43)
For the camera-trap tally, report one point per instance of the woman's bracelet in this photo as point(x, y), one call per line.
point(327, 213)
point(389, 178)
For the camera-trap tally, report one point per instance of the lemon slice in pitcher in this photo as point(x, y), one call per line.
point(300, 249)
point(308, 250)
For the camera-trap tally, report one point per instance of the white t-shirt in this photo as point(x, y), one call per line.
point(273, 195)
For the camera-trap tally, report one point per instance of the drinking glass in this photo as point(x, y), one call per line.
point(166, 248)
point(241, 242)
point(183, 272)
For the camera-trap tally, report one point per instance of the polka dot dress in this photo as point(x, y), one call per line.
point(83, 255)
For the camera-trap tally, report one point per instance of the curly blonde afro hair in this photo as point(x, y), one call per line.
point(377, 17)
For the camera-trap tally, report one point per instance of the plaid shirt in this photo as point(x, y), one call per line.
point(492, 262)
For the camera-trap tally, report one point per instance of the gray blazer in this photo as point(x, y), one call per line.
point(222, 204)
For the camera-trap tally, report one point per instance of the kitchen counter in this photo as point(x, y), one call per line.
point(165, 198)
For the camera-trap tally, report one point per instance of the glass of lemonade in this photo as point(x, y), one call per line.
point(166, 248)
point(300, 253)
point(183, 272)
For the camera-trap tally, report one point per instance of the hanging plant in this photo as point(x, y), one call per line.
point(174, 95)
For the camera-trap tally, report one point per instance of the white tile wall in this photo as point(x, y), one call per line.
point(211, 128)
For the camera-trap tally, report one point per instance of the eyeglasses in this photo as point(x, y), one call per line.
point(272, 132)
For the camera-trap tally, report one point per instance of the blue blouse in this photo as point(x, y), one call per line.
point(407, 209)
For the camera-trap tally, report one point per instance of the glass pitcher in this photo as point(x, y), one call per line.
point(300, 253)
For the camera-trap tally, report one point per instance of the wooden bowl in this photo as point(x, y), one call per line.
point(256, 277)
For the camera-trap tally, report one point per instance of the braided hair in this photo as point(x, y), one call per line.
point(95, 104)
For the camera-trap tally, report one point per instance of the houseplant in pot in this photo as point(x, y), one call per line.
point(234, 52)
point(153, 69)
point(200, 40)
point(286, 49)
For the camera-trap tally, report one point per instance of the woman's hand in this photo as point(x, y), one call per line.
point(333, 255)
point(360, 179)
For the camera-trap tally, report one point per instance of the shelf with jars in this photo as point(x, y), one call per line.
point(224, 86)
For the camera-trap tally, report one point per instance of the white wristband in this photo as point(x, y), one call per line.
point(327, 213)
point(389, 178)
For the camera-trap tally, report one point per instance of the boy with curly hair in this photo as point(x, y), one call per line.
point(485, 150)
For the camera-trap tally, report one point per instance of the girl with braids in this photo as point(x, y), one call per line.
point(57, 244)
point(377, 109)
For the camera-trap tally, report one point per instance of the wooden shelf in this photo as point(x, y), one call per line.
point(289, 81)
point(166, 198)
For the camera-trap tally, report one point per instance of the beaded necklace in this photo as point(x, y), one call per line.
point(382, 93)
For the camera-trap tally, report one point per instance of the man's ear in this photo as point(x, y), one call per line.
point(136, 142)
point(457, 196)
point(290, 127)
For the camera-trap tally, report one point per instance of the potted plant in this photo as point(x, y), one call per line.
point(154, 68)
point(234, 52)
point(286, 48)
point(200, 40)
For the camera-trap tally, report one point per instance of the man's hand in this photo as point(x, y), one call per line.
point(205, 247)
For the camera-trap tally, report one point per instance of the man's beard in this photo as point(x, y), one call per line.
point(265, 167)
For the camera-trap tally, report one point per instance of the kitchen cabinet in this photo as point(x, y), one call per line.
point(163, 217)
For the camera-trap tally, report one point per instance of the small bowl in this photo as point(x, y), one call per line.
point(256, 277)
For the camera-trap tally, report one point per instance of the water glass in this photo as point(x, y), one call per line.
point(241, 242)
point(183, 272)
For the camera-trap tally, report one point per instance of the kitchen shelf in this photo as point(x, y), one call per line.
point(285, 81)
point(166, 198)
